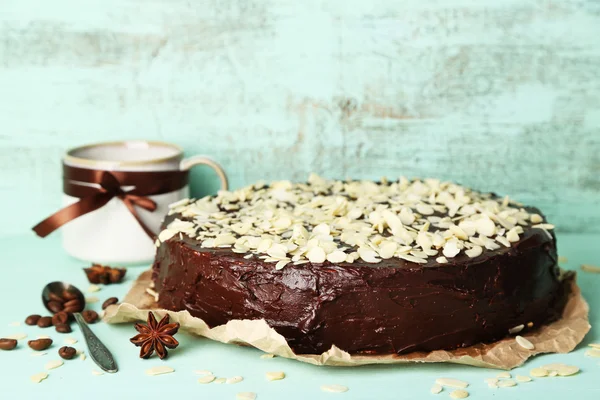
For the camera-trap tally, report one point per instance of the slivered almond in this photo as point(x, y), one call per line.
point(37, 378)
point(452, 383)
point(234, 380)
point(206, 379)
point(275, 375)
point(516, 329)
point(202, 372)
point(16, 336)
point(523, 378)
point(334, 388)
point(245, 396)
point(507, 383)
point(435, 389)
point(568, 370)
point(538, 372)
point(459, 394)
point(53, 364)
point(590, 268)
point(593, 352)
point(524, 343)
point(163, 369)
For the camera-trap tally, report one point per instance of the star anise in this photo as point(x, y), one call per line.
point(156, 336)
point(103, 274)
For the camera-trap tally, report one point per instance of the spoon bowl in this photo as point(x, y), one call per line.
point(62, 290)
point(65, 292)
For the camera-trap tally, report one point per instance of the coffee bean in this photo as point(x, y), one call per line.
point(109, 302)
point(60, 318)
point(55, 306)
point(90, 316)
point(44, 322)
point(66, 295)
point(63, 328)
point(32, 319)
point(7, 344)
point(55, 297)
point(40, 344)
point(74, 305)
point(67, 352)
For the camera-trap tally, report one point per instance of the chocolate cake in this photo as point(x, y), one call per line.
point(372, 268)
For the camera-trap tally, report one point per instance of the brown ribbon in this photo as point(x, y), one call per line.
point(76, 183)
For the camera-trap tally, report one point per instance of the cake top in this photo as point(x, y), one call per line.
point(345, 221)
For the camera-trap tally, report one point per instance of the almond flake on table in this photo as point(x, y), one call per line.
point(37, 378)
point(43, 337)
point(38, 354)
point(163, 369)
point(553, 366)
point(82, 357)
point(202, 372)
point(507, 383)
point(524, 343)
point(275, 375)
point(93, 288)
point(268, 355)
point(206, 379)
point(459, 394)
point(92, 299)
point(503, 375)
point(97, 373)
point(16, 336)
point(334, 388)
point(245, 396)
point(219, 381)
point(553, 373)
point(53, 364)
point(435, 389)
point(590, 268)
point(593, 352)
point(538, 372)
point(568, 370)
point(523, 378)
point(234, 380)
point(563, 260)
point(70, 340)
point(594, 345)
point(455, 383)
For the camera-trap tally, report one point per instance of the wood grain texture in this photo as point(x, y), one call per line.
point(501, 95)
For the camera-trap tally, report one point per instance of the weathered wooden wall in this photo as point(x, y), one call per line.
point(501, 94)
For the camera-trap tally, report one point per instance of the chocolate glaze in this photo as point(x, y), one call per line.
point(392, 307)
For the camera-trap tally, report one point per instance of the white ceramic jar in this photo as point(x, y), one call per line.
point(110, 234)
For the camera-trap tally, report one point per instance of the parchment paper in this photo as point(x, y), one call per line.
point(558, 337)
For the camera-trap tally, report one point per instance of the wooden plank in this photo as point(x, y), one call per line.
point(501, 96)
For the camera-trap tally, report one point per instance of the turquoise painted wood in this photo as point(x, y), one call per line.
point(501, 95)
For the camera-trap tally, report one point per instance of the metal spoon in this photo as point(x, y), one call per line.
point(96, 348)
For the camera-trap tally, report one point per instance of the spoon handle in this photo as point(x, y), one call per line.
point(98, 351)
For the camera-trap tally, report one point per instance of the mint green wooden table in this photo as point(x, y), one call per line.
point(28, 263)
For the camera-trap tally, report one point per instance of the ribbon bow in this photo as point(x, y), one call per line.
point(145, 183)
